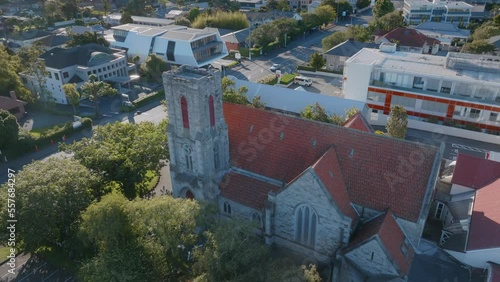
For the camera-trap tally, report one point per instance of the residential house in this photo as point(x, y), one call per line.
point(75, 65)
point(53, 41)
point(236, 39)
point(12, 104)
point(339, 183)
point(258, 18)
point(311, 7)
point(471, 213)
point(460, 87)
point(174, 14)
point(410, 40)
point(337, 55)
point(448, 34)
point(114, 20)
point(419, 11)
point(173, 43)
point(27, 38)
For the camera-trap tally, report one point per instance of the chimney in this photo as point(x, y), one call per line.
point(13, 95)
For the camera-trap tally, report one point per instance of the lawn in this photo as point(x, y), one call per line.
point(4, 252)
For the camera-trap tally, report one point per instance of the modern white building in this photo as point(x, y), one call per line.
point(461, 87)
point(419, 11)
point(114, 19)
point(75, 65)
point(175, 44)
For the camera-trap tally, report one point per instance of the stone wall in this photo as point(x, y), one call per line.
point(372, 259)
point(332, 229)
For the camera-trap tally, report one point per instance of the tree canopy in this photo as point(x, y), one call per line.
point(388, 21)
point(357, 32)
point(72, 95)
point(265, 34)
point(231, 95)
point(317, 61)
point(479, 47)
point(123, 153)
point(153, 67)
point(95, 89)
point(382, 7)
point(86, 38)
point(49, 198)
point(326, 14)
point(9, 129)
point(398, 122)
point(35, 67)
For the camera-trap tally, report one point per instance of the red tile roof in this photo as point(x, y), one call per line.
point(409, 37)
point(328, 170)
point(494, 275)
point(359, 122)
point(386, 228)
point(474, 172)
point(379, 172)
point(248, 191)
point(485, 221)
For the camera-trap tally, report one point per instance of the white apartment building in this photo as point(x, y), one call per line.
point(460, 87)
point(75, 65)
point(419, 11)
point(114, 19)
point(175, 44)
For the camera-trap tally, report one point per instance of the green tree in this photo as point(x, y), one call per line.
point(86, 38)
point(333, 40)
point(231, 95)
point(105, 7)
point(193, 14)
point(257, 103)
point(382, 7)
point(326, 14)
point(388, 21)
point(338, 6)
point(220, 19)
point(94, 89)
point(50, 195)
point(126, 18)
point(72, 94)
point(52, 8)
point(315, 112)
point(398, 122)
point(9, 78)
point(496, 20)
point(317, 61)
point(480, 46)
point(142, 240)
point(123, 153)
point(182, 21)
point(283, 5)
point(264, 34)
point(36, 69)
point(272, 4)
point(310, 20)
point(9, 129)
point(69, 9)
point(360, 4)
point(153, 67)
point(287, 27)
point(340, 120)
point(485, 31)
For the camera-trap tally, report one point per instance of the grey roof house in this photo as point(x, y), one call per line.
point(336, 56)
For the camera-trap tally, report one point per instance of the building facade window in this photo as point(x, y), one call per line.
point(49, 74)
point(227, 208)
point(493, 116)
point(185, 113)
point(57, 76)
point(188, 157)
point(216, 156)
point(211, 110)
point(305, 226)
point(65, 74)
point(474, 113)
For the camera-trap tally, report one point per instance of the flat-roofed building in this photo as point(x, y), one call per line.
point(175, 44)
point(419, 11)
point(460, 87)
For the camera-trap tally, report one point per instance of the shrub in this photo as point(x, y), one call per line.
point(149, 98)
point(86, 123)
point(360, 4)
point(270, 79)
point(221, 19)
point(232, 64)
point(287, 78)
point(306, 68)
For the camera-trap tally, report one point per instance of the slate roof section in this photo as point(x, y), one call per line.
point(474, 172)
point(387, 229)
point(359, 122)
point(328, 170)
point(349, 47)
point(236, 36)
point(54, 40)
point(246, 190)
point(374, 168)
point(409, 37)
point(60, 58)
point(442, 28)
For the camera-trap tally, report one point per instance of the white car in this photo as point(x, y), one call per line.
point(275, 67)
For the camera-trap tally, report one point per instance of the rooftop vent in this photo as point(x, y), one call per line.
point(251, 128)
point(331, 173)
point(313, 143)
point(351, 153)
point(282, 135)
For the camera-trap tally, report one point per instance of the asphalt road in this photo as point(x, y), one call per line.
point(33, 269)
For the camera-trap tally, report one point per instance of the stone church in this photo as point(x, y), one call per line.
point(326, 192)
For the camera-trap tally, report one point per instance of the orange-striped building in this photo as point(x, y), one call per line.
point(460, 87)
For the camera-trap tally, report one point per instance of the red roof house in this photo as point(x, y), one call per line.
point(410, 40)
point(12, 104)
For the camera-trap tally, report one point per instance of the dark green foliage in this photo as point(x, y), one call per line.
point(382, 7)
point(86, 38)
point(317, 61)
point(153, 67)
point(397, 123)
point(9, 129)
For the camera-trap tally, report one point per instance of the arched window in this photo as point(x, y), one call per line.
point(212, 110)
point(305, 227)
point(227, 208)
point(216, 156)
point(185, 114)
point(188, 156)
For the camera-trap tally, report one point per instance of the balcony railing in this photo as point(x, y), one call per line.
point(379, 83)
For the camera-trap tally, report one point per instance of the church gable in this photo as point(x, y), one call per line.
point(307, 220)
point(371, 258)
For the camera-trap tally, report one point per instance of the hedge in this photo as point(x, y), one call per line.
point(306, 68)
point(287, 78)
point(149, 98)
point(244, 52)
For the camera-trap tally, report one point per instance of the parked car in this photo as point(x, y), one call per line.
point(302, 81)
point(275, 67)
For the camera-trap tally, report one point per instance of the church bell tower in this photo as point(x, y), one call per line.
point(197, 132)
